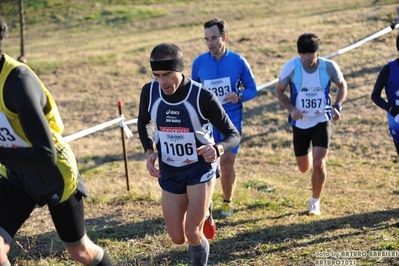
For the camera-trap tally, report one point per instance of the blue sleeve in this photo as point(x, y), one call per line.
point(194, 70)
point(248, 80)
point(379, 85)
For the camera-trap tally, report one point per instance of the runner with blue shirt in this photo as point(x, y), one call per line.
point(388, 78)
point(223, 71)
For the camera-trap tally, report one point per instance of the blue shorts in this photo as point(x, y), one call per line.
point(393, 127)
point(236, 119)
point(201, 172)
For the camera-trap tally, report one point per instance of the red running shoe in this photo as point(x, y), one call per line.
point(209, 225)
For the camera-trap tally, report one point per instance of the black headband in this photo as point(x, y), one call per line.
point(175, 64)
point(308, 47)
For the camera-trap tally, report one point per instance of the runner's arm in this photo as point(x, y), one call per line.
point(24, 96)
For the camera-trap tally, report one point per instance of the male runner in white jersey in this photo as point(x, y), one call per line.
point(310, 109)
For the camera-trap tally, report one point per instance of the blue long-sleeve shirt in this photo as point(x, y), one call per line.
point(224, 76)
point(380, 84)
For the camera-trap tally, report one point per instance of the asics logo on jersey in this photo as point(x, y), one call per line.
point(170, 112)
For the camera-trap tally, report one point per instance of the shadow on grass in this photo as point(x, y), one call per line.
point(276, 236)
point(48, 245)
point(243, 246)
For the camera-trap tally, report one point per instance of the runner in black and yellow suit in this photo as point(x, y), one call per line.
point(34, 142)
point(37, 166)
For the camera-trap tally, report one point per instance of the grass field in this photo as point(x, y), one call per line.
point(91, 55)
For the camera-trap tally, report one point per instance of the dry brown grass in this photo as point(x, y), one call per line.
point(89, 71)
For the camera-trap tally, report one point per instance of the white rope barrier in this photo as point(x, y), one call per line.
point(133, 121)
point(90, 130)
point(344, 50)
point(126, 131)
point(129, 134)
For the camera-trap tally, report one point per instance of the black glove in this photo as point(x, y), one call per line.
point(394, 110)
